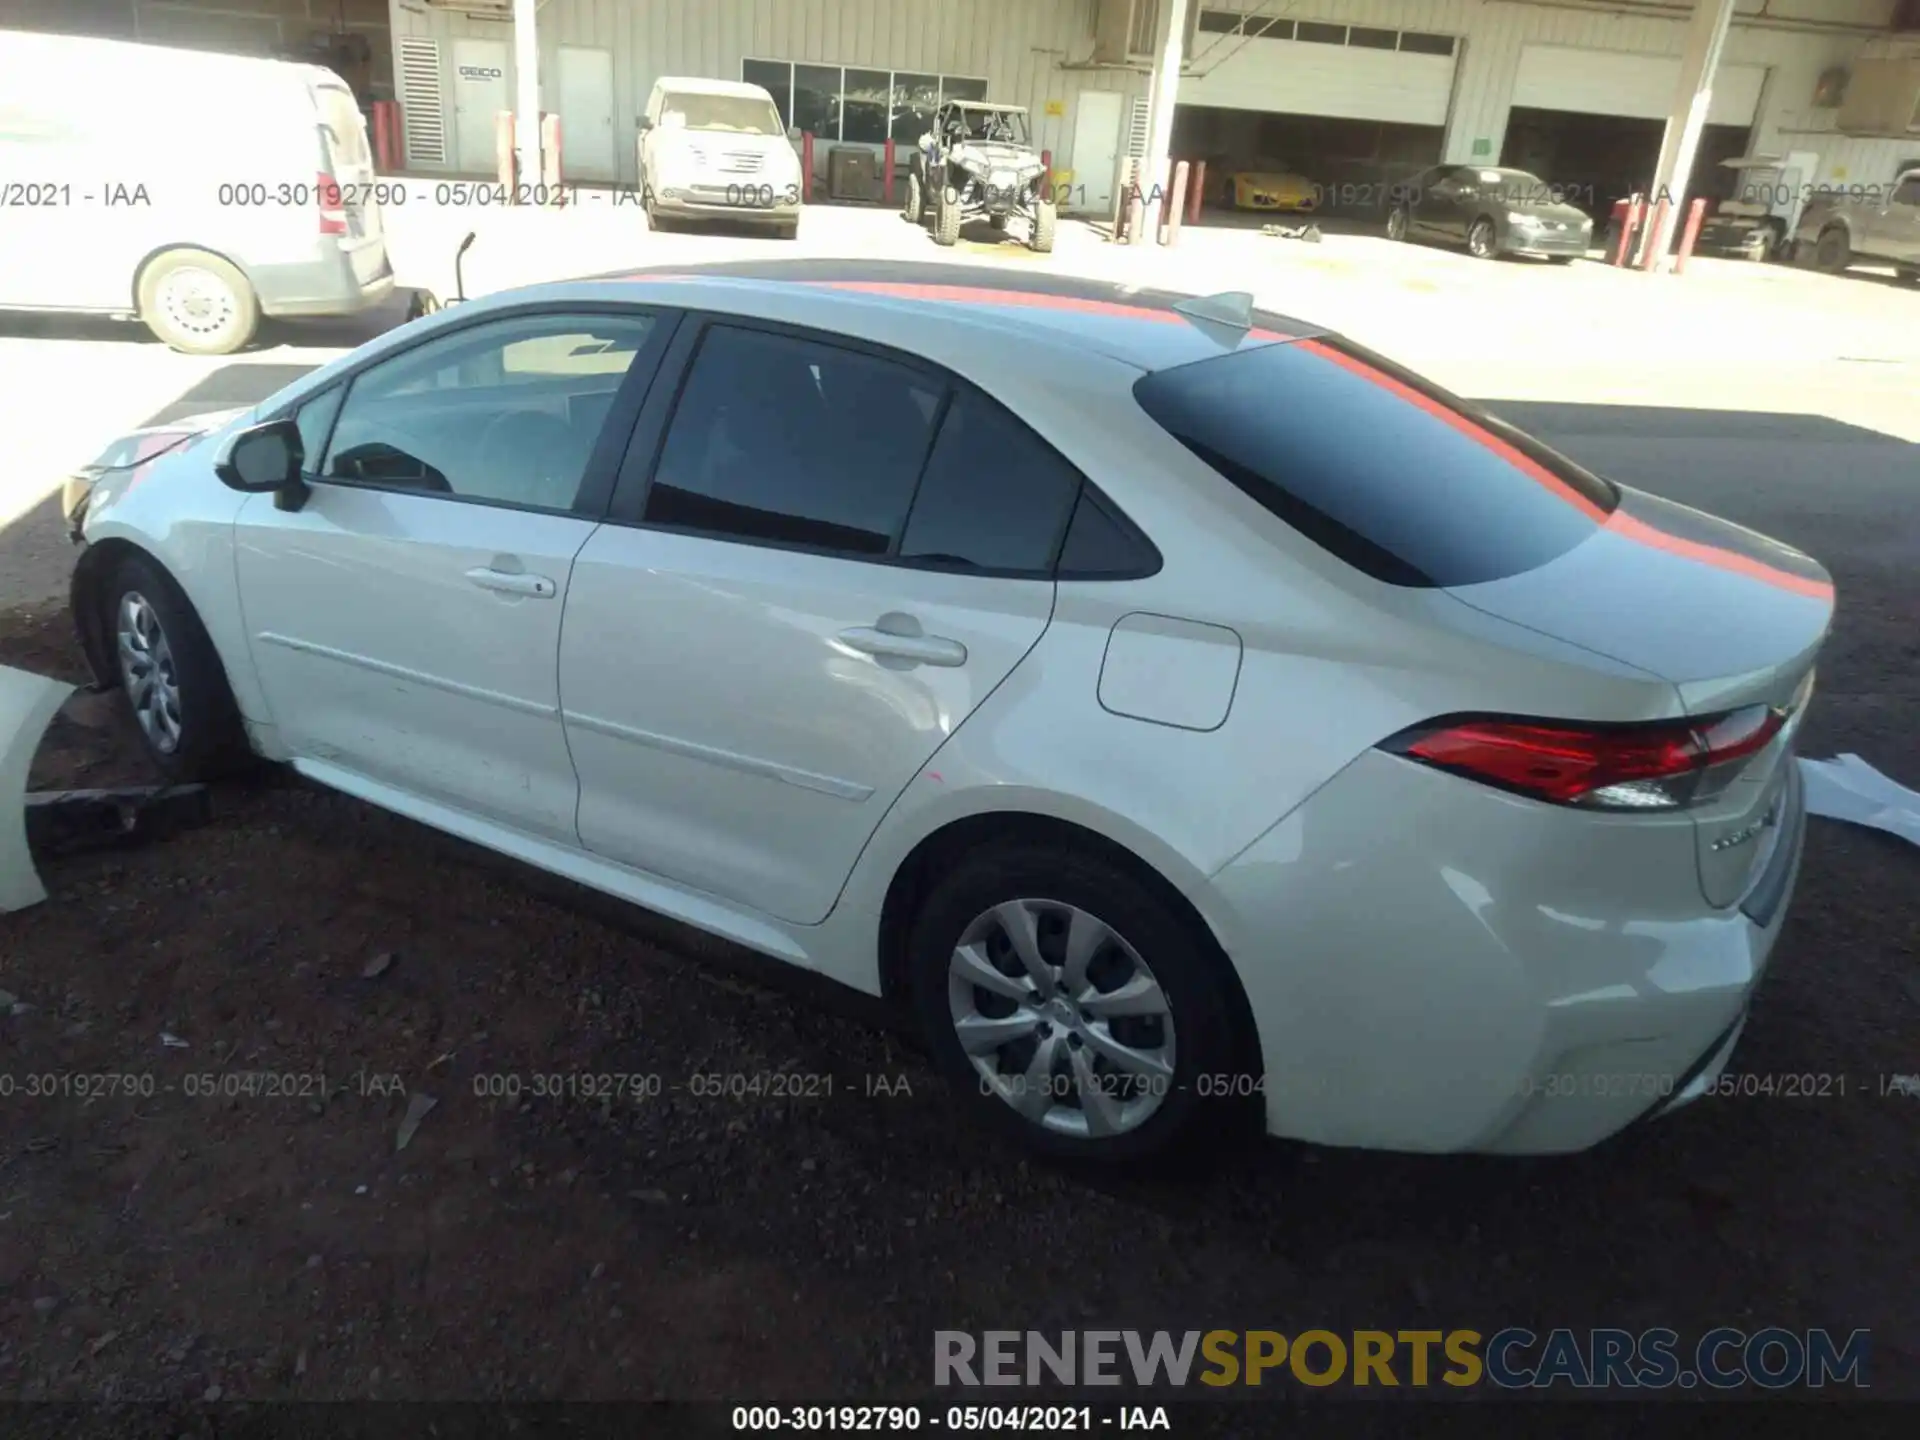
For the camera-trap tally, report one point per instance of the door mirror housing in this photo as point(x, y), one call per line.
point(266, 459)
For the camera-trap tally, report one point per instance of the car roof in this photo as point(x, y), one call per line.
point(701, 85)
point(947, 312)
point(986, 105)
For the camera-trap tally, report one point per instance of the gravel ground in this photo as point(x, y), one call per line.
point(250, 1245)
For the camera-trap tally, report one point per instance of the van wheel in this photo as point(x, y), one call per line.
point(198, 303)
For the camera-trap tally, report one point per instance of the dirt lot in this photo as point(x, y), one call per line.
point(161, 1243)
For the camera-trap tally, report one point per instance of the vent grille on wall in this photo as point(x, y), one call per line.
point(421, 115)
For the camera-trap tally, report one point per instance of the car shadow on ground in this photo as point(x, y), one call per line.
point(690, 1241)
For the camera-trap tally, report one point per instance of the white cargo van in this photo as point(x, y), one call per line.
point(194, 191)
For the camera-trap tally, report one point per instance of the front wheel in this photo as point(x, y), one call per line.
point(174, 682)
point(1074, 1010)
point(1045, 218)
point(1481, 242)
point(946, 217)
point(198, 303)
point(914, 208)
point(1831, 252)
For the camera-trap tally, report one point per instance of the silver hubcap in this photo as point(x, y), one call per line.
point(1396, 225)
point(1061, 1018)
point(197, 301)
point(1482, 238)
point(146, 669)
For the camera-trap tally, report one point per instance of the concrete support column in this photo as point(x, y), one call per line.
point(1165, 95)
point(526, 101)
point(1706, 38)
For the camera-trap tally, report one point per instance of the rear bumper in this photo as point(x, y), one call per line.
point(324, 285)
point(1436, 966)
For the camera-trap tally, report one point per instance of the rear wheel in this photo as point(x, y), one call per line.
point(1481, 241)
point(198, 303)
point(174, 682)
point(1832, 253)
point(1396, 224)
point(914, 209)
point(946, 217)
point(1046, 217)
point(1072, 1007)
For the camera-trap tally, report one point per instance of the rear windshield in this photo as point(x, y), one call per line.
point(1398, 478)
point(346, 128)
point(742, 114)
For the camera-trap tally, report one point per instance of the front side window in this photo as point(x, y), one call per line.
point(791, 441)
point(506, 412)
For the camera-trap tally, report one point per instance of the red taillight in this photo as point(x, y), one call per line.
point(1642, 767)
point(333, 212)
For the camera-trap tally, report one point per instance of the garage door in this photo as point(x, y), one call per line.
point(1607, 82)
point(1352, 74)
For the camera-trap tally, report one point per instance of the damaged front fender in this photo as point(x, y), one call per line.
point(28, 703)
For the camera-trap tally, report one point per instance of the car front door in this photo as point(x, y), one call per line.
point(1432, 203)
point(405, 622)
point(837, 555)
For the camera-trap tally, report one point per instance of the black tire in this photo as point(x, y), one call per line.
point(422, 302)
point(946, 217)
point(211, 740)
point(914, 207)
point(1046, 217)
point(1397, 224)
point(1186, 969)
point(1832, 252)
point(1560, 259)
point(1909, 276)
point(787, 230)
point(1483, 239)
point(198, 303)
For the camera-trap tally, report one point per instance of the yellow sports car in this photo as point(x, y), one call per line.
point(1273, 190)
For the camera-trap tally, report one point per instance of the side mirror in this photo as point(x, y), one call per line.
point(266, 459)
point(794, 134)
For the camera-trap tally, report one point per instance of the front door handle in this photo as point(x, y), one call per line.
point(509, 583)
point(922, 649)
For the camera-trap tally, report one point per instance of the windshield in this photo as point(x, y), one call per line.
point(1007, 126)
point(741, 114)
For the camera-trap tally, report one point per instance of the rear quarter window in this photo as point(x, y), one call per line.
point(1399, 479)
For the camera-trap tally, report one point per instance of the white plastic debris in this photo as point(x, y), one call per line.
point(28, 703)
point(171, 1041)
point(1847, 788)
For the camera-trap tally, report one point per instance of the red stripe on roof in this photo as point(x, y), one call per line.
point(1614, 522)
point(1033, 299)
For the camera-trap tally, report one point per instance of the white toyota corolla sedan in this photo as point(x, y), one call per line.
point(1178, 707)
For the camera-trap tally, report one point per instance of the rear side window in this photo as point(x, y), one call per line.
point(1401, 480)
point(346, 127)
point(994, 496)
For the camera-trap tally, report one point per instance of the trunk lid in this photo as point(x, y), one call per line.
point(1732, 618)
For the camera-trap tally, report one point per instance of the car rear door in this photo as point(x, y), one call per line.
point(816, 567)
point(404, 623)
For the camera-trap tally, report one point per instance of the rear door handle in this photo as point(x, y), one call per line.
point(508, 583)
point(925, 649)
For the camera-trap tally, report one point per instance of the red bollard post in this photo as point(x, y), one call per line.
point(806, 167)
point(1176, 206)
point(886, 174)
point(1195, 190)
point(1696, 216)
point(1656, 242)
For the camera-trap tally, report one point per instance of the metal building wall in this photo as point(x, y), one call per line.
point(1017, 46)
point(1496, 31)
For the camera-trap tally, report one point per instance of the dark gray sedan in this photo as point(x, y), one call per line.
point(1491, 211)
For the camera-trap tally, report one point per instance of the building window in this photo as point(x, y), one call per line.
point(1146, 27)
point(1423, 44)
point(863, 107)
point(1318, 34)
point(1219, 22)
point(1372, 39)
point(776, 78)
point(1271, 29)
